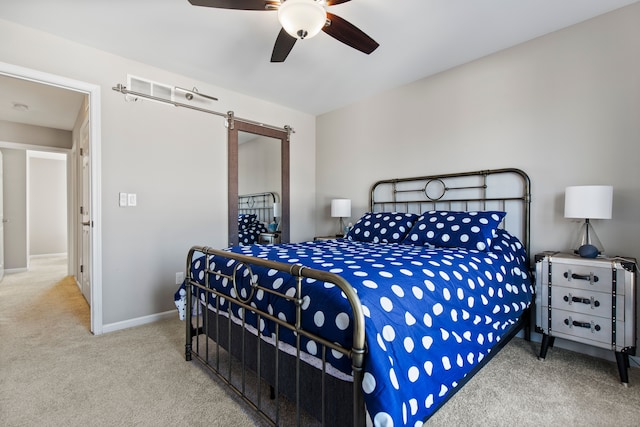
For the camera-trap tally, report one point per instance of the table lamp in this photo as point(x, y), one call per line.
point(341, 208)
point(277, 213)
point(588, 202)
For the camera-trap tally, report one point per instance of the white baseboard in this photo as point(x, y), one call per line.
point(14, 270)
point(138, 321)
point(47, 255)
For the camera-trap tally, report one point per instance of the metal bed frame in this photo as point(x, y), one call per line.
point(211, 336)
point(260, 204)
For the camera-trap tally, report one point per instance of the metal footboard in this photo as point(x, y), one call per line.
point(217, 355)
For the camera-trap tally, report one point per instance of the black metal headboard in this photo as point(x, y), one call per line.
point(260, 204)
point(506, 190)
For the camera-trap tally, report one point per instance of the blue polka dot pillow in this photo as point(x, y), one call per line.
point(382, 227)
point(467, 230)
point(247, 220)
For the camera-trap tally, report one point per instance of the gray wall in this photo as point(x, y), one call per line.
point(173, 159)
point(259, 162)
point(15, 183)
point(564, 108)
point(15, 208)
point(47, 206)
point(34, 135)
point(46, 219)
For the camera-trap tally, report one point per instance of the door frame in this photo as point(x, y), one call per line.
point(93, 92)
point(1, 218)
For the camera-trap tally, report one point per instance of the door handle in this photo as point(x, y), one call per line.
point(88, 223)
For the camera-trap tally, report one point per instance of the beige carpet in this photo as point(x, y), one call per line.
point(53, 372)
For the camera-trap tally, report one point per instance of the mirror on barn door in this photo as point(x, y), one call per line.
point(258, 181)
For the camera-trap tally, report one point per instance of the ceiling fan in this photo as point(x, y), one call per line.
point(301, 19)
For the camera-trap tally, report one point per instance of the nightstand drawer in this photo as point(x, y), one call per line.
point(587, 302)
point(583, 277)
point(318, 238)
point(578, 327)
point(269, 238)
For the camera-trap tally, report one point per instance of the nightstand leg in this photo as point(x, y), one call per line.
point(529, 319)
point(547, 342)
point(623, 363)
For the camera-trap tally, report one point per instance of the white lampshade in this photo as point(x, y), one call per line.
point(302, 18)
point(277, 210)
point(341, 208)
point(588, 201)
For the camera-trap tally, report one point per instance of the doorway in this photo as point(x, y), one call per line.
point(85, 234)
point(47, 207)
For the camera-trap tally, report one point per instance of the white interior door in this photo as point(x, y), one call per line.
point(2, 221)
point(85, 223)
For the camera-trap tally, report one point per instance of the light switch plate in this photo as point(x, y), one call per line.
point(132, 199)
point(122, 199)
point(179, 278)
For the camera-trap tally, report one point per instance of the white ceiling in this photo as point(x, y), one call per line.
point(232, 48)
point(48, 106)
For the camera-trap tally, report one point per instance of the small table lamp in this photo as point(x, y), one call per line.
point(341, 208)
point(277, 213)
point(588, 202)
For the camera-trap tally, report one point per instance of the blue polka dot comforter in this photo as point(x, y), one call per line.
point(431, 314)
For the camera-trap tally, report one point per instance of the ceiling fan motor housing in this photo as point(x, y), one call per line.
point(302, 18)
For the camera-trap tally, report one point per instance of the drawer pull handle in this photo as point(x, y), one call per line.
point(589, 301)
point(587, 325)
point(591, 278)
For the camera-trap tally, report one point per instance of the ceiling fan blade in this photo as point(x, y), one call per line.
point(236, 4)
point(334, 2)
point(284, 44)
point(344, 31)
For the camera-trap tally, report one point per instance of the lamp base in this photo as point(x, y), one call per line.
point(588, 251)
point(588, 244)
point(341, 228)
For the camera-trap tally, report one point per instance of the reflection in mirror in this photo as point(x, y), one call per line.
point(258, 164)
point(259, 218)
point(258, 189)
point(258, 184)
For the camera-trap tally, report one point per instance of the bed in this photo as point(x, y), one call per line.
point(255, 213)
point(381, 327)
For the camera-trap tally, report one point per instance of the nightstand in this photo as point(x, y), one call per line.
point(269, 238)
point(326, 238)
point(587, 300)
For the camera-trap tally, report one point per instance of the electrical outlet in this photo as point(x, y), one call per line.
point(132, 199)
point(122, 201)
point(179, 278)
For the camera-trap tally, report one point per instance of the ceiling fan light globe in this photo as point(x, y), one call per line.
point(302, 18)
